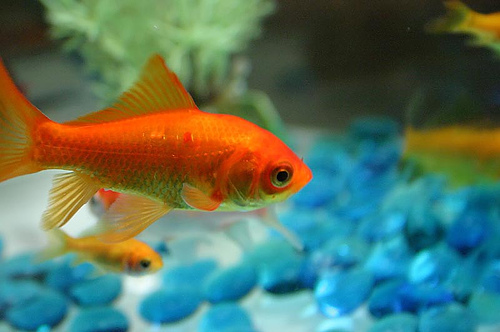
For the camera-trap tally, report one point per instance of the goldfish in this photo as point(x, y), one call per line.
point(155, 147)
point(468, 154)
point(131, 256)
point(485, 28)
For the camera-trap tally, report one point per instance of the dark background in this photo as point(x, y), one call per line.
point(323, 63)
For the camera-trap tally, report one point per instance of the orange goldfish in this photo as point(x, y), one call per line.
point(131, 256)
point(469, 155)
point(155, 147)
point(461, 19)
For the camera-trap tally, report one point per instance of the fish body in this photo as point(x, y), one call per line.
point(131, 256)
point(482, 144)
point(155, 147)
point(467, 155)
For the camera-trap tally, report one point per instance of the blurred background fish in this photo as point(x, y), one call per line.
point(132, 256)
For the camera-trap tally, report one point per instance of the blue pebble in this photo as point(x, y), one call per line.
point(490, 279)
point(226, 317)
point(168, 306)
point(468, 231)
point(308, 274)
point(402, 322)
point(464, 280)
point(63, 276)
point(230, 284)
point(190, 276)
point(423, 228)
point(452, 317)
point(385, 298)
point(268, 253)
point(99, 319)
point(25, 266)
point(99, 291)
point(47, 308)
point(485, 307)
point(282, 276)
point(339, 293)
point(278, 266)
point(389, 259)
point(433, 265)
point(13, 292)
point(321, 190)
point(416, 297)
point(381, 225)
point(316, 236)
point(342, 252)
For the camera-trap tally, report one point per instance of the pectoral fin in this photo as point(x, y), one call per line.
point(128, 216)
point(197, 199)
point(269, 217)
point(69, 192)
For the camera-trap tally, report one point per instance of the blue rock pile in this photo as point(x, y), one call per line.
point(38, 296)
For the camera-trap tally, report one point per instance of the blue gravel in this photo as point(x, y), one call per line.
point(433, 265)
point(453, 317)
point(389, 259)
point(25, 266)
point(485, 307)
point(417, 297)
point(46, 308)
point(189, 276)
point(340, 293)
point(386, 298)
point(340, 252)
point(13, 292)
point(403, 322)
point(63, 276)
point(99, 291)
point(167, 306)
point(230, 284)
point(468, 231)
point(99, 319)
point(226, 317)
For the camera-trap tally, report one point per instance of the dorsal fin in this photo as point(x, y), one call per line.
point(157, 90)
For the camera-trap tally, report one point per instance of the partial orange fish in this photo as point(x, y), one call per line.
point(154, 146)
point(461, 19)
point(469, 155)
point(131, 256)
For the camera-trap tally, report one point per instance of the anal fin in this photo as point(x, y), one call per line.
point(69, 192)
point(128, 216)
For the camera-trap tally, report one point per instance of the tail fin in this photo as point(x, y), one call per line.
point(58, 245)
point(18, 117)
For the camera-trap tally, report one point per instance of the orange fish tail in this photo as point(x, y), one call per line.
point(18, 118)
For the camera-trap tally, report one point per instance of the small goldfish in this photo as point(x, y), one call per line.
point(155, 147)
point(131, 256)
point(461, 19)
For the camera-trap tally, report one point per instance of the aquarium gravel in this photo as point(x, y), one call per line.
point(383, 252)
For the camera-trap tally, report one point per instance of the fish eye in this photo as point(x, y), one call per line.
point(281, 175)
point(145, 264)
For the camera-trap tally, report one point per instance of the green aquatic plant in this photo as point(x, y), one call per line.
point(197, 38)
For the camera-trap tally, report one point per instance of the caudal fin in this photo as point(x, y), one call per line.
point(18, 118)
point(58, 245)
